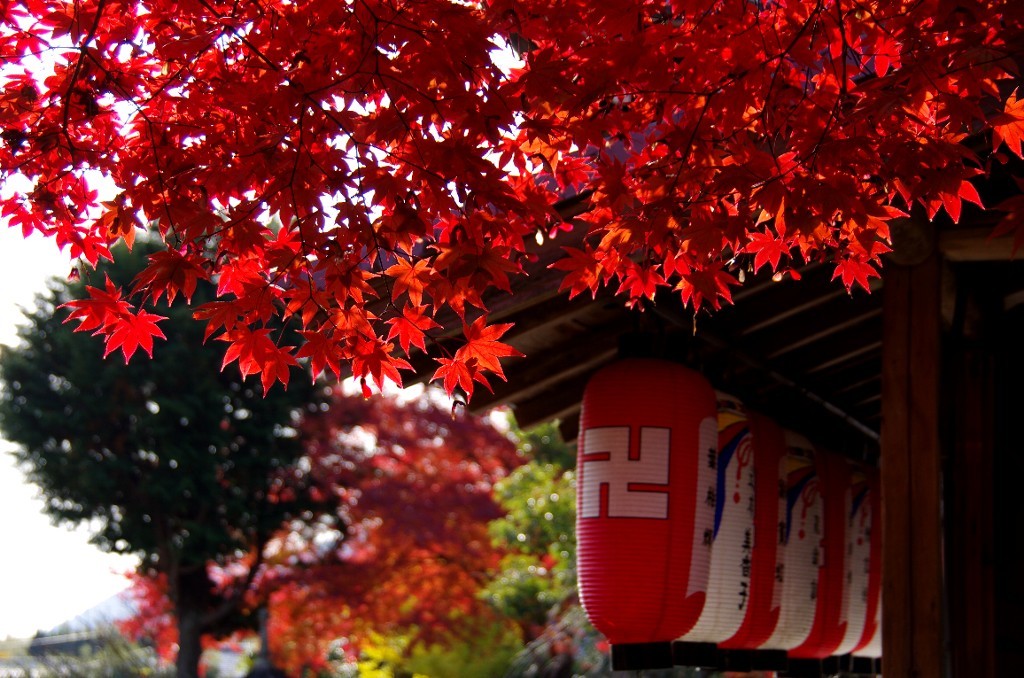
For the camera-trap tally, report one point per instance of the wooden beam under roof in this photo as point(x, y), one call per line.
point(974, 244)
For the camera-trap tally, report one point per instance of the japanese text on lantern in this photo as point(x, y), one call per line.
point(627, 477)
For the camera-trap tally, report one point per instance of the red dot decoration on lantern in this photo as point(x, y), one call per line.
point(645, 500)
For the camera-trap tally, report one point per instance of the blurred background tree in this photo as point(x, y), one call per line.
point(538, 531)
point(384, 534)
point(401, 591)
point(170, 459)
point(536, 585)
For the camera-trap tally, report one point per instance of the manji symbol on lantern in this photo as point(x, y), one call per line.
point(646, 505)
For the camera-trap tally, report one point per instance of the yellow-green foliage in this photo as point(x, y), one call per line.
point(480, 651)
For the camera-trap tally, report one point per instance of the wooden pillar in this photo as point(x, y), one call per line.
point(911, 467)
point(970, 517)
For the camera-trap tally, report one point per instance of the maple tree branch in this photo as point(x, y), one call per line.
point(231, 602)
point(845, 49)
point(82, 51)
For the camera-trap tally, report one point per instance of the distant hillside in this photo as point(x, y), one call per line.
point(114, 609)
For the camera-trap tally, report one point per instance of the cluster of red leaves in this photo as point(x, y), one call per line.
point(416, 487)
point(153, 620)
point(369, 170)
point(155, 625)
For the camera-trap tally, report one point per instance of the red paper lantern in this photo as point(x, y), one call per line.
point(830, 613)
point(764, 604)
point(645, 502)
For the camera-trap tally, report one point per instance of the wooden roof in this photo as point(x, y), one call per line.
point(806, 352)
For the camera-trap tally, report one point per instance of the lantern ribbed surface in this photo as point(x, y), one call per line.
point(857, 562)
point(645, 499)
point(767, 570)
point(732, 552)
point(830, 618)
point(870, 643)
point(804, 518)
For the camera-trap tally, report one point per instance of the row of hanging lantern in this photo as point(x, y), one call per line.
point(703, 524)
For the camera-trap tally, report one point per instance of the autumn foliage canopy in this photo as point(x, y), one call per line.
point(415, 487)
point(378, 169)
point(407, 551)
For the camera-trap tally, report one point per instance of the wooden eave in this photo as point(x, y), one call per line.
point(806, 352)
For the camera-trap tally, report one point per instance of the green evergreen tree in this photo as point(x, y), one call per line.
point(537, 583)
point(171, 459)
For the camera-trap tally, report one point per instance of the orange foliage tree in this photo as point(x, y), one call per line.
point(408, 551)
point(416, 489)
point(407, 164)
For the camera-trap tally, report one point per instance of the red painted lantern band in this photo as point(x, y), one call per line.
point(767, 566)
point(645, 499)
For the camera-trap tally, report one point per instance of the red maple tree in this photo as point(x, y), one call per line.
point(409, 550)
point(416, 489)
point(371, 168)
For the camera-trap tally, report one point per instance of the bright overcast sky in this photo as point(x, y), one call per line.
point(48, 574)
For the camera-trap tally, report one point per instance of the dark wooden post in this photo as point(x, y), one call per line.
point(911, 466)
point(970, 517)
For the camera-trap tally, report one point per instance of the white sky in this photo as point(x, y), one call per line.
point(48, 574)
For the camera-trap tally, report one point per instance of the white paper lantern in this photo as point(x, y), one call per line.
point(732, 550)
point(858, 562)
point(870, 643)
point(805, 523)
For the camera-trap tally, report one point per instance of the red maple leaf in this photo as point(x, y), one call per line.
point(323, 352)
point(117, 222)
point(767, 249)
point(583, 271)
point(1008, 126)
point(483, 347)
point(132, 331)
point(852, 270)
point(108, 314)
point(709, 285)
point(487, 265)
point(641, 281)
point(373, 358)
point(410, 277)
point(100, 311)
point(257, 353)
point(952, 201)
point(456, 373)
point(410, 327)
point(217, 314)
point(170, 272)
point(480, 353)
